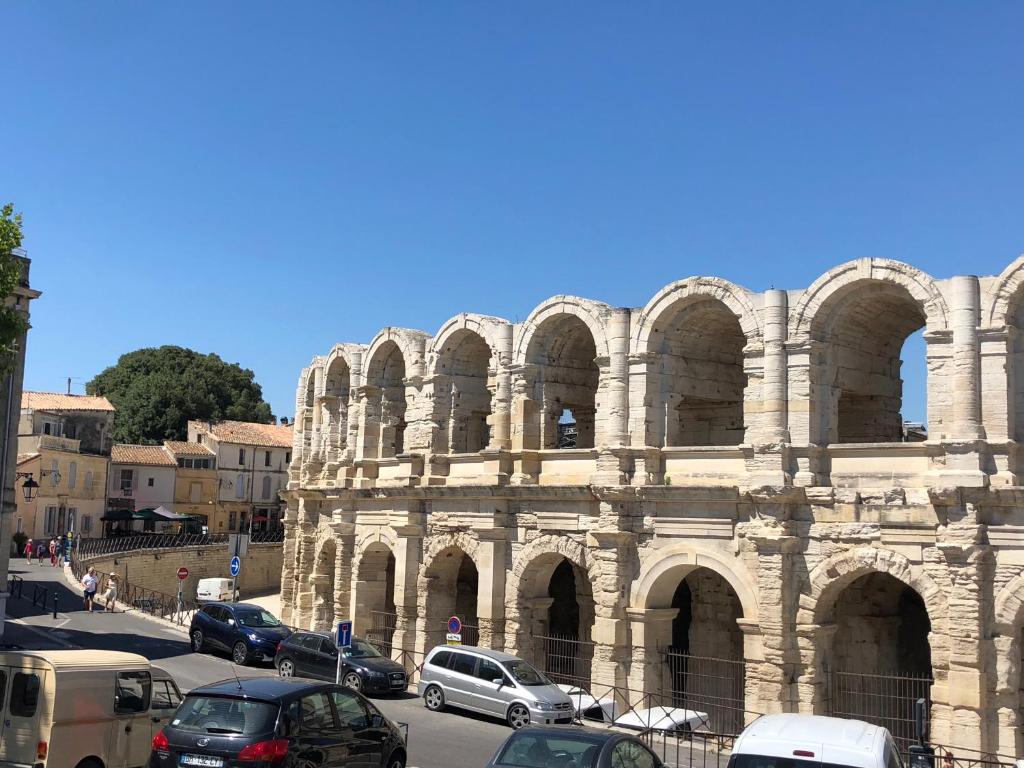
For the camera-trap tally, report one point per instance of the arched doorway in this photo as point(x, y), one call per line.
point(386, 374)
point(862, 331)
point(323, 588)
point(563, 355)
point(462, 395)
point(880, 662)
point(336, 400)
point(697, 386)
point(451, 590)
point(375, 614)
point(557, 609)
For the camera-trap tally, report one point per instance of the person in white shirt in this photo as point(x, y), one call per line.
point(90, 582)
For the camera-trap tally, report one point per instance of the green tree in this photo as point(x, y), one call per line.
point(158, 389)
point(12, 322)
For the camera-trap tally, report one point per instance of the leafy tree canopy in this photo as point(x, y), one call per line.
point(12, 322)
point(158, 389)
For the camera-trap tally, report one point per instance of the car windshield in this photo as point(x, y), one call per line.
point(524, 674)
point(219, 714)
point(362, 650)
point(540, 750)
point(256, 618)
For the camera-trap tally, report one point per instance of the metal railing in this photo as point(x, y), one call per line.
point(886, 700)
point(15, 585)
point(564, 658)
point(382, 630)
point(129, 543)
point(707, 684)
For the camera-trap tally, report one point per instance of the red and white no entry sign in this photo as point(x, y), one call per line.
point(182, 573)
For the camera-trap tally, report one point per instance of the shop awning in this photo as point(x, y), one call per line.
point(117, 515)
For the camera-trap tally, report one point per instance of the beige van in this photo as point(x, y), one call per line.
point(81, 709)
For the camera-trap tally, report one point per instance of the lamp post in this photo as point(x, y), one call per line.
point(29, 487)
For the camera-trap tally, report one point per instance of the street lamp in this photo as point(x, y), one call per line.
point(29, 487)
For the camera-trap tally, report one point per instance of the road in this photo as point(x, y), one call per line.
point(436, 740)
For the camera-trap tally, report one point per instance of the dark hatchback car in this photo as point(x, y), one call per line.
point(273, 721)
point(363, 667)
point(248, 632)
point(559, 746)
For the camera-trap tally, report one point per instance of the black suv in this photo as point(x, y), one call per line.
point(277, 721)
point(363, 668)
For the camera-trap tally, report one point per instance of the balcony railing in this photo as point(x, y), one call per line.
point(33, 443)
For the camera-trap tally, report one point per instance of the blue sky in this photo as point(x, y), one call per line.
point(264, 180)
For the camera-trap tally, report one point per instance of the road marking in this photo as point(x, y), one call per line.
point(47, 636)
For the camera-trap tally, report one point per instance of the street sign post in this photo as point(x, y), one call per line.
point(343, 639)
point(454, 631)
point(236, 568)
point(182, 575)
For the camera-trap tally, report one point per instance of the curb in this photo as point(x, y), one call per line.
point(72, 583)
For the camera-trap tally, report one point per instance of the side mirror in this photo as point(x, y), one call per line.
point(376, 721)
point(231, 622)
point(499, 681)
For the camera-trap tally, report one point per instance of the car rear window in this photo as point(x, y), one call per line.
point(537, 750)
point(764, 761)
point(223, 715)
point(441, 659)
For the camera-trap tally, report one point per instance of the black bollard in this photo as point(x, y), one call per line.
point(55, 605)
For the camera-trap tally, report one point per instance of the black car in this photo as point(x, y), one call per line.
point(363, 667)
point(274, 721)
point(248, 632)
point(556, 746)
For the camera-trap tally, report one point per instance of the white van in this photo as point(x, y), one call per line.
point(807, 741)
point(214, 590)
point(81, 709)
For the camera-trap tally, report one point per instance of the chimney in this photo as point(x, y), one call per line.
point(284, 421)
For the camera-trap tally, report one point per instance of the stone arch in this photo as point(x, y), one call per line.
point(410, 342)
point(484, 326)
point(373, 571)
point(1008, 639)
point(549, 544)
point(692, 290)
point(846, 277)
point(592, 313)
point(1005, 316)
point(341, 372)
point(449, 583)
point(1004, 293)
point(394, 357)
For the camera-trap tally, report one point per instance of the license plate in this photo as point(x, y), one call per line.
point(203, 760)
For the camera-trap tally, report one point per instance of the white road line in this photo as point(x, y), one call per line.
point(48, 636)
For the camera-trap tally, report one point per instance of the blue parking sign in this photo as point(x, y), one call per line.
point(344, 638)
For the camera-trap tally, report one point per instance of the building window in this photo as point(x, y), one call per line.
point(241, 457)
point(46, 427)
point(51, 520)
point(288, 457)
point(199, 438)
point(239, 486)
point(126, 482)
point(86, 523)
point(72, 514)
point(266, 459)
point(88, 480)
point(54, 473)
point(181, 463)
point(266, 487)
point(149, 482)
point(19, 525)
point(232, 519)
point(72, 474)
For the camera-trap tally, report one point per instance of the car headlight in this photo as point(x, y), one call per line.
point(254, 637)
point(543, 706)
point(375, 673)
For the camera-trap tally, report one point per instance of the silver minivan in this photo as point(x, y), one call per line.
point(493, 683)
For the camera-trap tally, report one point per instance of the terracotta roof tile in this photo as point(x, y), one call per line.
point(247, 433)
point(149, 455)
point(179, 448)
point(55, 401)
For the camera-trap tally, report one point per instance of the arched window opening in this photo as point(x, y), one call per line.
point(698, 385)
point(307, 415)
point(452, 591)
point(914, 370)
point(881, 659)
point(334, 425)
point(387, 374)
point(1015, 395)
point(464, 394)
point(564, 354)
point(863, 333)
point(563, 646)
point(375, 596)
point(567, 434)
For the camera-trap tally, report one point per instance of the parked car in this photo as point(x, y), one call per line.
point(363, 667)
point(214, 590)
point(573, 747)
point(808, 741)
point(81, 708)
point(493, 683)
point(248, 632)
point(277, 721)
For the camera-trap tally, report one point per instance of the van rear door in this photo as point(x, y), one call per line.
point(24, 705)
point(132, 740)
point(166, 698)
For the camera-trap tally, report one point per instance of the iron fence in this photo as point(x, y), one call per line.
point(709, 685)
point(14, 588)
point(564, 659)
point(382, 631)
point(886, 700)
point(117, 544)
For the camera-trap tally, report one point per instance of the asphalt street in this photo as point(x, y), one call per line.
point(436, 740)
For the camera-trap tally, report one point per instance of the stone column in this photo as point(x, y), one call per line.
point(316, 457)
point(814, 642)
point(775, 386)
point(1006, 700)
point(307, 519)
point(344, 530)
point(491, 570)
point(966, 378)
point(289, 561)
point(650, 631)
point(501, 397)
point(613, 421)
point(611, 548)
point(368, 446)
point(408, 553)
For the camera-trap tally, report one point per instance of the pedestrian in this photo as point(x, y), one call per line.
point(40, 552)
point(90, 581)
point(53, 553)
point(111, 594)
point(28, 551)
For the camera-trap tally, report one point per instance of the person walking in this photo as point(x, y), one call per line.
point(28, 551)
point(90, 581)
point(53, 553)
point(40, 552)
point(111, 594)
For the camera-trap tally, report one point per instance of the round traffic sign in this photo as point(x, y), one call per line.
point(236, 565)
point(454, 625)
point(182, 573)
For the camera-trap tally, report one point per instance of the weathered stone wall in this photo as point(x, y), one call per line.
point(743, 443)
point(157, 571)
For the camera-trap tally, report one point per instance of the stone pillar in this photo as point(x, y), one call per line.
point(612, 549)
point(775, 386)
point(368, 443)
point(501, 397)
point(966, 378)
point(1006, 700)
point(650, 632)
point(316, 457)
point(814, 642)
point(998, 406)
point(307, 518)
point(289, 561)
point(408, 553)
point(492, 562)
point(344, 530)
point(613, 420)
point(807, 410)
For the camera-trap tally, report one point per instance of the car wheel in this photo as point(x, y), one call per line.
point(433, 698)
point(286, 668)
point(353, 681)
point(198, 642)
point(240, 653)
point(518, 716)
point(397, 759)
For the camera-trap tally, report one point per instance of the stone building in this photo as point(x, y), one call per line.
point(740, 524)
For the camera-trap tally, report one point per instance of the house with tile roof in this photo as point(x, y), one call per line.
point(141, 477)
point(252, 466)
point(196, 484)
point(87, 419)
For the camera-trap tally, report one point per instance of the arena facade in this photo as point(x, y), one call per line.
point(710, 501)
